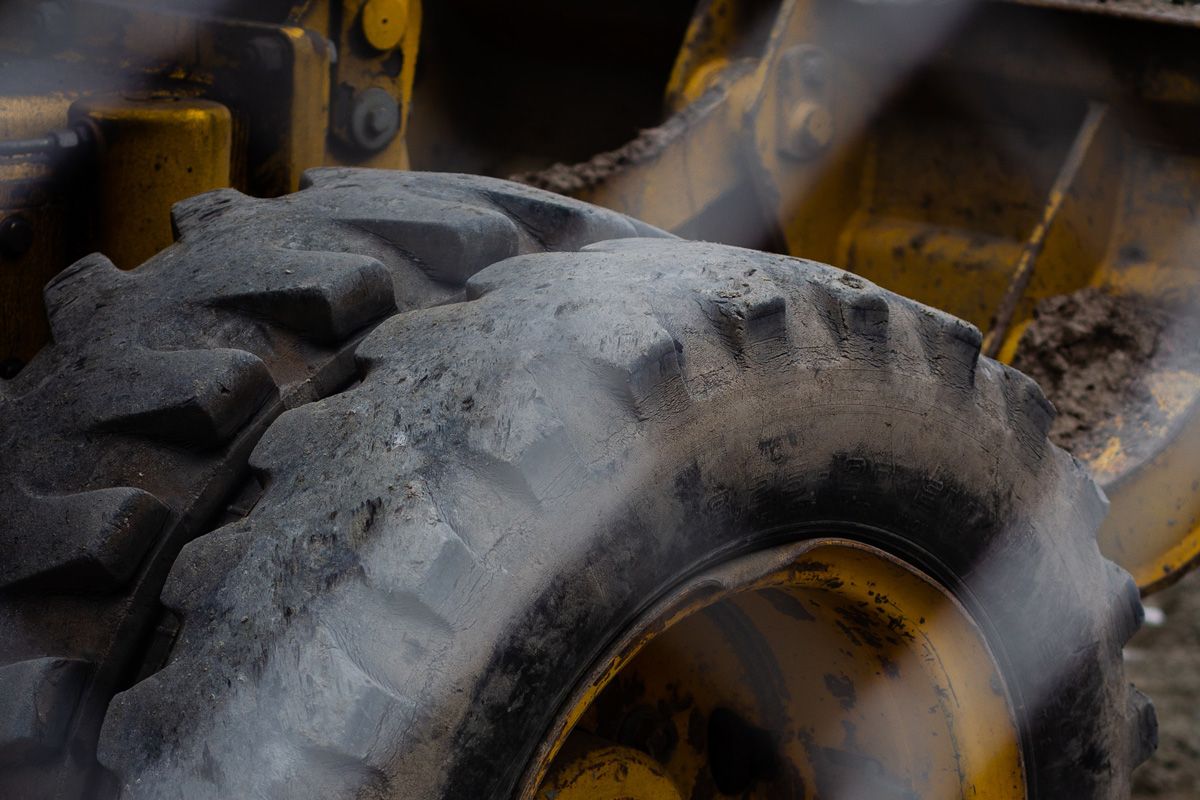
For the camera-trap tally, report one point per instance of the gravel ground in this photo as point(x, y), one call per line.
point(1163, 660)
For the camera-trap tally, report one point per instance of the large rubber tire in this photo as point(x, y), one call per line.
point(441, 550)
point(444, 549)
point(130, 433)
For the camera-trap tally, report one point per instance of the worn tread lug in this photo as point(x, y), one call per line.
point(447, 253)
point(89, 541)
point(1127, 611)
point(856, 312)
point(198, 212)
point(1143, 725)
point(952, 345)
point(325, 297)
point(72, 296)
point(753, 327)
point(195, 398)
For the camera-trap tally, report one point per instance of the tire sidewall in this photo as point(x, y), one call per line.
point(950, 487)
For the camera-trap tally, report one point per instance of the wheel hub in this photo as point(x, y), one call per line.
point(827, 669)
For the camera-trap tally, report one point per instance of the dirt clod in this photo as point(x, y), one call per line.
point(572, 179)
point(1089, 351)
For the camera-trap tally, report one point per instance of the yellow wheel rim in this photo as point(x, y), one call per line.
point(825, 669)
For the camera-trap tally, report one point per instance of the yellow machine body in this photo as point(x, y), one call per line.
point(984, 184)
point(168, 104)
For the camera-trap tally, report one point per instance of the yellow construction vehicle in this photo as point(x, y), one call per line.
point(337, 466)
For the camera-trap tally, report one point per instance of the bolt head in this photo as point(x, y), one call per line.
point(378, 120)
point(374, 120)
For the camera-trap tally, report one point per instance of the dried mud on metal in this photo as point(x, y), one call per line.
point(1091, 352)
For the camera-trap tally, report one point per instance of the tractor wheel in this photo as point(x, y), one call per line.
point(647, 519)
point(130, 433)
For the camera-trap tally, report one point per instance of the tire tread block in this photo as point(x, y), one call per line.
point(88, 541)
point(323, 296)
point(196, 398)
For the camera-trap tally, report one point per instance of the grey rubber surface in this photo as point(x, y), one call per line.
point(129, 434)
point(442, 549)
point(410, 471)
